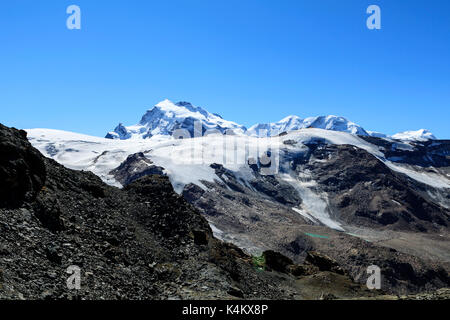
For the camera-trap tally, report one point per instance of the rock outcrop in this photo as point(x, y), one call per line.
point(134, 167)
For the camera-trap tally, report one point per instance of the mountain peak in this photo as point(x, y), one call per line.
point(166, 116)
point(291, 123)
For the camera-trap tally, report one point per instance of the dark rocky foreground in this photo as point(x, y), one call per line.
point(142, 242)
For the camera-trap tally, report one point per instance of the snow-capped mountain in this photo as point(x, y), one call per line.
point(334, 123)
point(419, 135)
point(287, 124)
point(292, 123)
point(166, 117)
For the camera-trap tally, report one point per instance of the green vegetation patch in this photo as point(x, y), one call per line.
point(259, 262)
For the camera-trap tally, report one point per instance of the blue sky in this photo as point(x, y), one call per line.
point(248, 60)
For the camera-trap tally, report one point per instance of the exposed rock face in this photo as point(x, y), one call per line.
point(323, 262)
point(269, 186)
point(424, 153)
point(277, 261)
point(135, 167)
point(365, 192)
point(22, 171)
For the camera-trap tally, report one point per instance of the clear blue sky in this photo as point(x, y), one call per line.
point(248, 60)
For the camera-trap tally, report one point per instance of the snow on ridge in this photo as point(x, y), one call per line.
point(419, 135)
point(291, 123)
point(431, 179)
point(377, 134)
